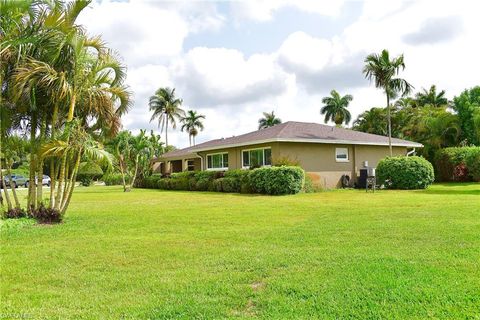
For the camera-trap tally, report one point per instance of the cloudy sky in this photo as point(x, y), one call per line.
point(234, 60)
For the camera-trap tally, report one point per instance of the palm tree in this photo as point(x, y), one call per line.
point(166, 107)
point(191, 123)
point(268, 120)
point(382, 70)
point(431, 97)
point(335, 108)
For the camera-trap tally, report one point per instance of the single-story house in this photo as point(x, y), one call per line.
point(326, 153)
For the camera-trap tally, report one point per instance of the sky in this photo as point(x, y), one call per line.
point(231, 61)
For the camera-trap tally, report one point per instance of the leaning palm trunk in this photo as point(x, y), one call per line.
point(61, 178)
point(53, 173)
point(39, 173)
point(71, 185)
point(12, 186)
point(136, 171)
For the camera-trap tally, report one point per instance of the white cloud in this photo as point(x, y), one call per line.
point(216, 76)
point(263, 10)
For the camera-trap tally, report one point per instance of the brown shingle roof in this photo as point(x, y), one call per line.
point(295, 132)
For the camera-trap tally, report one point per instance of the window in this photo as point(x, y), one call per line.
point(190, 165)
point(257, 158)
point(218, 161)
point(341, 154)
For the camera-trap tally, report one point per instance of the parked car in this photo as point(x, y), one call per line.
point(45, 181)
point(17, 180)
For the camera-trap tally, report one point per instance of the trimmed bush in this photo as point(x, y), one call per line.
point(473, 164)
point(274, 180)
point(457, 164)
point(113, 179)
point(87, 172)
point(277, 180)
point(405, 172)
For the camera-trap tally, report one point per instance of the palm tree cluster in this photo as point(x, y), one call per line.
point(268, 120)
point(167, 108)
point(133, 155)
point(424, 118)
point(60, 87)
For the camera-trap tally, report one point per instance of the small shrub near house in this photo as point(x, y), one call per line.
point(458, 164)
point(273, 180)
point(405, 172)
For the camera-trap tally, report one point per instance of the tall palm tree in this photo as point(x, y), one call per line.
point(268, 120)
point(191, 123)
point(335, 108)
point(167, 108)
point(431, 97)
point(383, 71)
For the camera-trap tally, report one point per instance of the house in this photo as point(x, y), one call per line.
point(326, 153)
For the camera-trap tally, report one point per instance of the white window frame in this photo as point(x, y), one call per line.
point(337, 153)
point(252, 149)
point(216, 169)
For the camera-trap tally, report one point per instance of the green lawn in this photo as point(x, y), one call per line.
point(152, 254)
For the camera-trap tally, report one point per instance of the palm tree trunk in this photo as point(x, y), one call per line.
point(136, 171)
point(31, 202)
point(389, 120)
point(122, 172)
point(60, 182)
point(52, 161)
point(71, 185)
point(14, 192)
point(193, 137)
point(166, 133)
point(7, 197)
point(39, 172)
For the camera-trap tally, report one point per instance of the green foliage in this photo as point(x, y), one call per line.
point(113, 179)
point(88, 171)
point(277, 180)
point(273, 180)
point(467, 106)
point(473, 164)
point(405, 172)
point(310, 186)
point(286, 161)
point(449, 161)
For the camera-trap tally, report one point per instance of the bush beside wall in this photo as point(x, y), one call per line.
point(113, 179)
point(271, 180)
point(405, 172)
point(458, 164)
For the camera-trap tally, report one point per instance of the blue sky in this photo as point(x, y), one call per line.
point(231, 61)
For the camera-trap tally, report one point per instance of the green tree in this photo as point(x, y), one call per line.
point(467, 107)
point(384, 72)
point(335, 108)
point(432, 98)
point(191, 123)
point(166, 108)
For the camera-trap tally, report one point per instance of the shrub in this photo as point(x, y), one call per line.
point(237, 181)
point(473, 164)
point(277, 180)
point(218, 184)
point(113, 179)
point(310, 186)
point(88, 171)
point(15, 213)
point(46, 215)
point(204, 180)
point(405, 172)
point(285, 161)
point(456, 164)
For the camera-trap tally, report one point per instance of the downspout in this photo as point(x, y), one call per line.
point(409, 153)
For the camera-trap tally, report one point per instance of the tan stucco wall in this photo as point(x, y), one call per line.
point(316, 159)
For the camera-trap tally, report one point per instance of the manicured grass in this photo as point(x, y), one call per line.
point(152, 254)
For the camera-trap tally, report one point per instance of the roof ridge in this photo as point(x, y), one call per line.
point(284, 127)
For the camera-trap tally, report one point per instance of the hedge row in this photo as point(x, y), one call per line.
point(458, 164)
point(271, 180)
point(113, 179)
point(405, 172)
